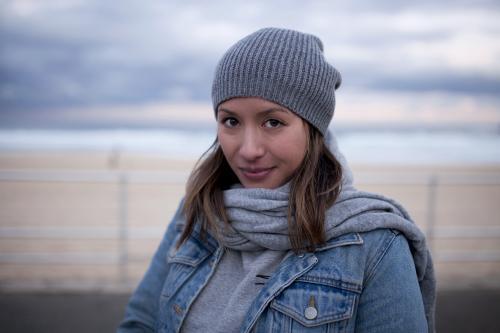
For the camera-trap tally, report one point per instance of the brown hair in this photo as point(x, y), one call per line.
point(313, 189)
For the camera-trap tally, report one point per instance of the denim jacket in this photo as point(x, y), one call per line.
point(358, 282)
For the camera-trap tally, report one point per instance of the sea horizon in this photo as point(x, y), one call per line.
point(388, 144)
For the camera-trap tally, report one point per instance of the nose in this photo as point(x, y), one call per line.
point(252, 145)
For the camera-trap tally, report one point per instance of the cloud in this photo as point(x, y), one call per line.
point(76, 53)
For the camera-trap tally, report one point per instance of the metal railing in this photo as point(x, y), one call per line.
point(124, 232)
point(434, 232)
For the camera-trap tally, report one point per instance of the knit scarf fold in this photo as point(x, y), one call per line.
point(258, 221)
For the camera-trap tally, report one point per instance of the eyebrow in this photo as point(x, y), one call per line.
point(260, 112)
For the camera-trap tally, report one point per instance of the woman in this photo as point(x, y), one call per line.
point(271, 235)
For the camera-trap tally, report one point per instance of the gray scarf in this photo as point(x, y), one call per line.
point(258, 221)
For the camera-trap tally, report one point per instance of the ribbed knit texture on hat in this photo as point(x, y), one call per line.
point(283, 66)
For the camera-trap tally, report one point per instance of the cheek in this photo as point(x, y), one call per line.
point(300, 144)
point(291, 150)
point(299, 153)
point(227, 144)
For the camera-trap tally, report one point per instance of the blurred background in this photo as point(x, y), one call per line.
point(105, 108)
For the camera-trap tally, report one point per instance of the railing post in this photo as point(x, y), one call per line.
point(432, 185)
point(123, 229)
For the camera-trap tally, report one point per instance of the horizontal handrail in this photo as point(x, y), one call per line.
point(79, 232)
point(422, 179)
point(180, 177)
point(107, 258)
point(83, 232)
point(467, 256)
point(97, 258)
point(94, 176)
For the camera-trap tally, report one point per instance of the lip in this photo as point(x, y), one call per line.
point(256, 174)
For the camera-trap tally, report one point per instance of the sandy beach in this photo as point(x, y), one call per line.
point(91, 221)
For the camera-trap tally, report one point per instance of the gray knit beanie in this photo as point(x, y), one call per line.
point(284, 66)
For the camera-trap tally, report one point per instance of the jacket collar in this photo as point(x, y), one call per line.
point(347, 239)
point(211, 244)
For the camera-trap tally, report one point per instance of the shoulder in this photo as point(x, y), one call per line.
point(359, 254)
point(378, 241)
point(373, 243)
point(384, 247)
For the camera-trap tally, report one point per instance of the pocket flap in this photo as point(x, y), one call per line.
point(313, 304)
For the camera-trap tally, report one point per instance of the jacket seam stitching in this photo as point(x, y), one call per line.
point(387, 245)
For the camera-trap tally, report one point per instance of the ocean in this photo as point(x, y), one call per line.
point(387, 146)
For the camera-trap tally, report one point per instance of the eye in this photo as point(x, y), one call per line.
point(230, 122)
point(273, 123)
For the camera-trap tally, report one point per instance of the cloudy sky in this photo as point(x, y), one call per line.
point(104, 61)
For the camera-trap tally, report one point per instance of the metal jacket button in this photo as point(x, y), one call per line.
point(311, 312)
point(177, 309)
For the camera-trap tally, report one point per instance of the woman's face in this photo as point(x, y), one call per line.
point(263, 142)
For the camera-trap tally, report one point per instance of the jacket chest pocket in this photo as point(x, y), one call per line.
point(313, 307)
